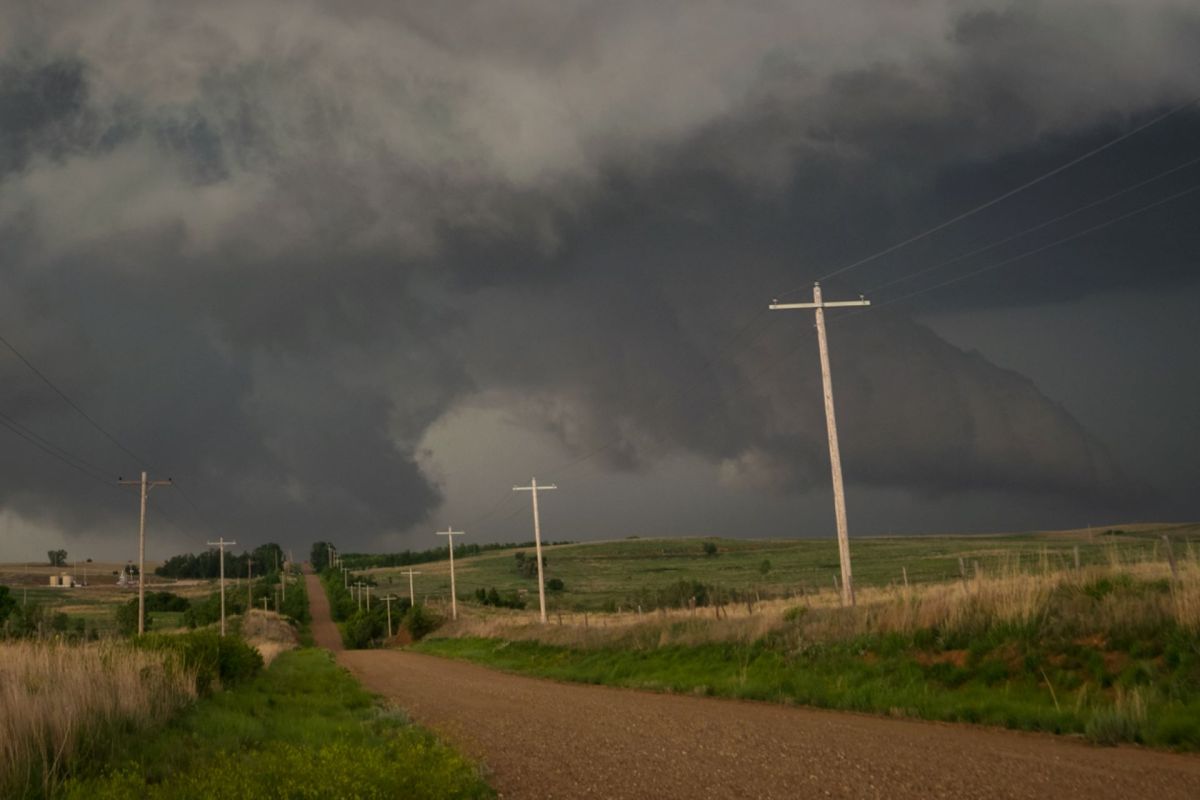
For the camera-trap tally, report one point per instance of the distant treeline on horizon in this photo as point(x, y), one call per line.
point(411, 557)
point(208, 563)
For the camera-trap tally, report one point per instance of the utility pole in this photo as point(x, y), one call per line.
point(359, 594)
point(345, 577)
point(330, 547)
point(835, 458)
point(221, 544)
point(146, 486)
point(368, 597)
point(389, 600)
point(412, 598)
point(533, 489)
point(450, 533)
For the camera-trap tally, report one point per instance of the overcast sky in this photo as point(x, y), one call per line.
point(350, 271)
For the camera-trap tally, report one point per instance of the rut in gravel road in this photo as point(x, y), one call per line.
point(542, 739)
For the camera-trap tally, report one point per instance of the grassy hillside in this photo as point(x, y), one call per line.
point(628, 572)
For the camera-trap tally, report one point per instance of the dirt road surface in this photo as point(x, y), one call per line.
point(541, 739)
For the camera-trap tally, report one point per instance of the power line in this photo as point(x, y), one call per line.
point(1043, 248)
point(72, 403)
point(1035, 228)
point(49, 448)
point(1003, 196)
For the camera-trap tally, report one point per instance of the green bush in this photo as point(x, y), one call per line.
point(419, 622)
point(127, 618)
point(217, 660)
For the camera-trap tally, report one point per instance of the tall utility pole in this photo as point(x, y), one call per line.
point(221, 544)
point(450, 533)
point(359, 594)
point(146, 485)
point(533, 489)
point(835, 457)
point(345, 577)
point(412, 598)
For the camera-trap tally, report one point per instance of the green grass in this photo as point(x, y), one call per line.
point(303, 729)
point(890, 675)
point(628, 572)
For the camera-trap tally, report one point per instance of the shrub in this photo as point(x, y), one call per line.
point(127, 618)
point(217, 660)
point(710, 548)
point(555, 585)
point(419, 622)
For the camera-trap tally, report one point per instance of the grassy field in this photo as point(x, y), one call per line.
point(97, 602)
point(623, 574)
point(303, 729)
point(1110, 651)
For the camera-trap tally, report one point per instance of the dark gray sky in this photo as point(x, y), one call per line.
point(351, 270)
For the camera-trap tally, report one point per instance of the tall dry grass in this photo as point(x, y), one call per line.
point(1006, 596)
point(57, 701)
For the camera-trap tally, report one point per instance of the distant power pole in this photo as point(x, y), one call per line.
point(389, 600)
point(221, 544)
point(146, 485)
point(359, 594)
point(450, 533)
point(835, 458)
point(412, 598)
point(533, 489)
point(345, 577)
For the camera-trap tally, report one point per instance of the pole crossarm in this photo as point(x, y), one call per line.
point(818, 306)
point(777, 306)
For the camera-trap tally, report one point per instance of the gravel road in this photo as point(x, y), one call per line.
point(542, 739)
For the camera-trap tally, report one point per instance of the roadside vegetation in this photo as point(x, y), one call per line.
point(302, 729)
point(64, 703)
point(363, 627)
point(1109, 651)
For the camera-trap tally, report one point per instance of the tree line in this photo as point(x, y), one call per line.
point(265, 558)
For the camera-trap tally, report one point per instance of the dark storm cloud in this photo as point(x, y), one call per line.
point(270, 245)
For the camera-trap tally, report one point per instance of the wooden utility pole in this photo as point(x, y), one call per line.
point(146, 486)
point(533, 489)
point(389, 600)
point(412, 598)
point(220, 543)
point(345, 577)
point(835, 458)
point(358, 595)
point(450, 533)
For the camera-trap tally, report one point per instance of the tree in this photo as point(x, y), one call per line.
point(764, 567)
point(319, 555)
point(58, 558)
point(710, 548)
